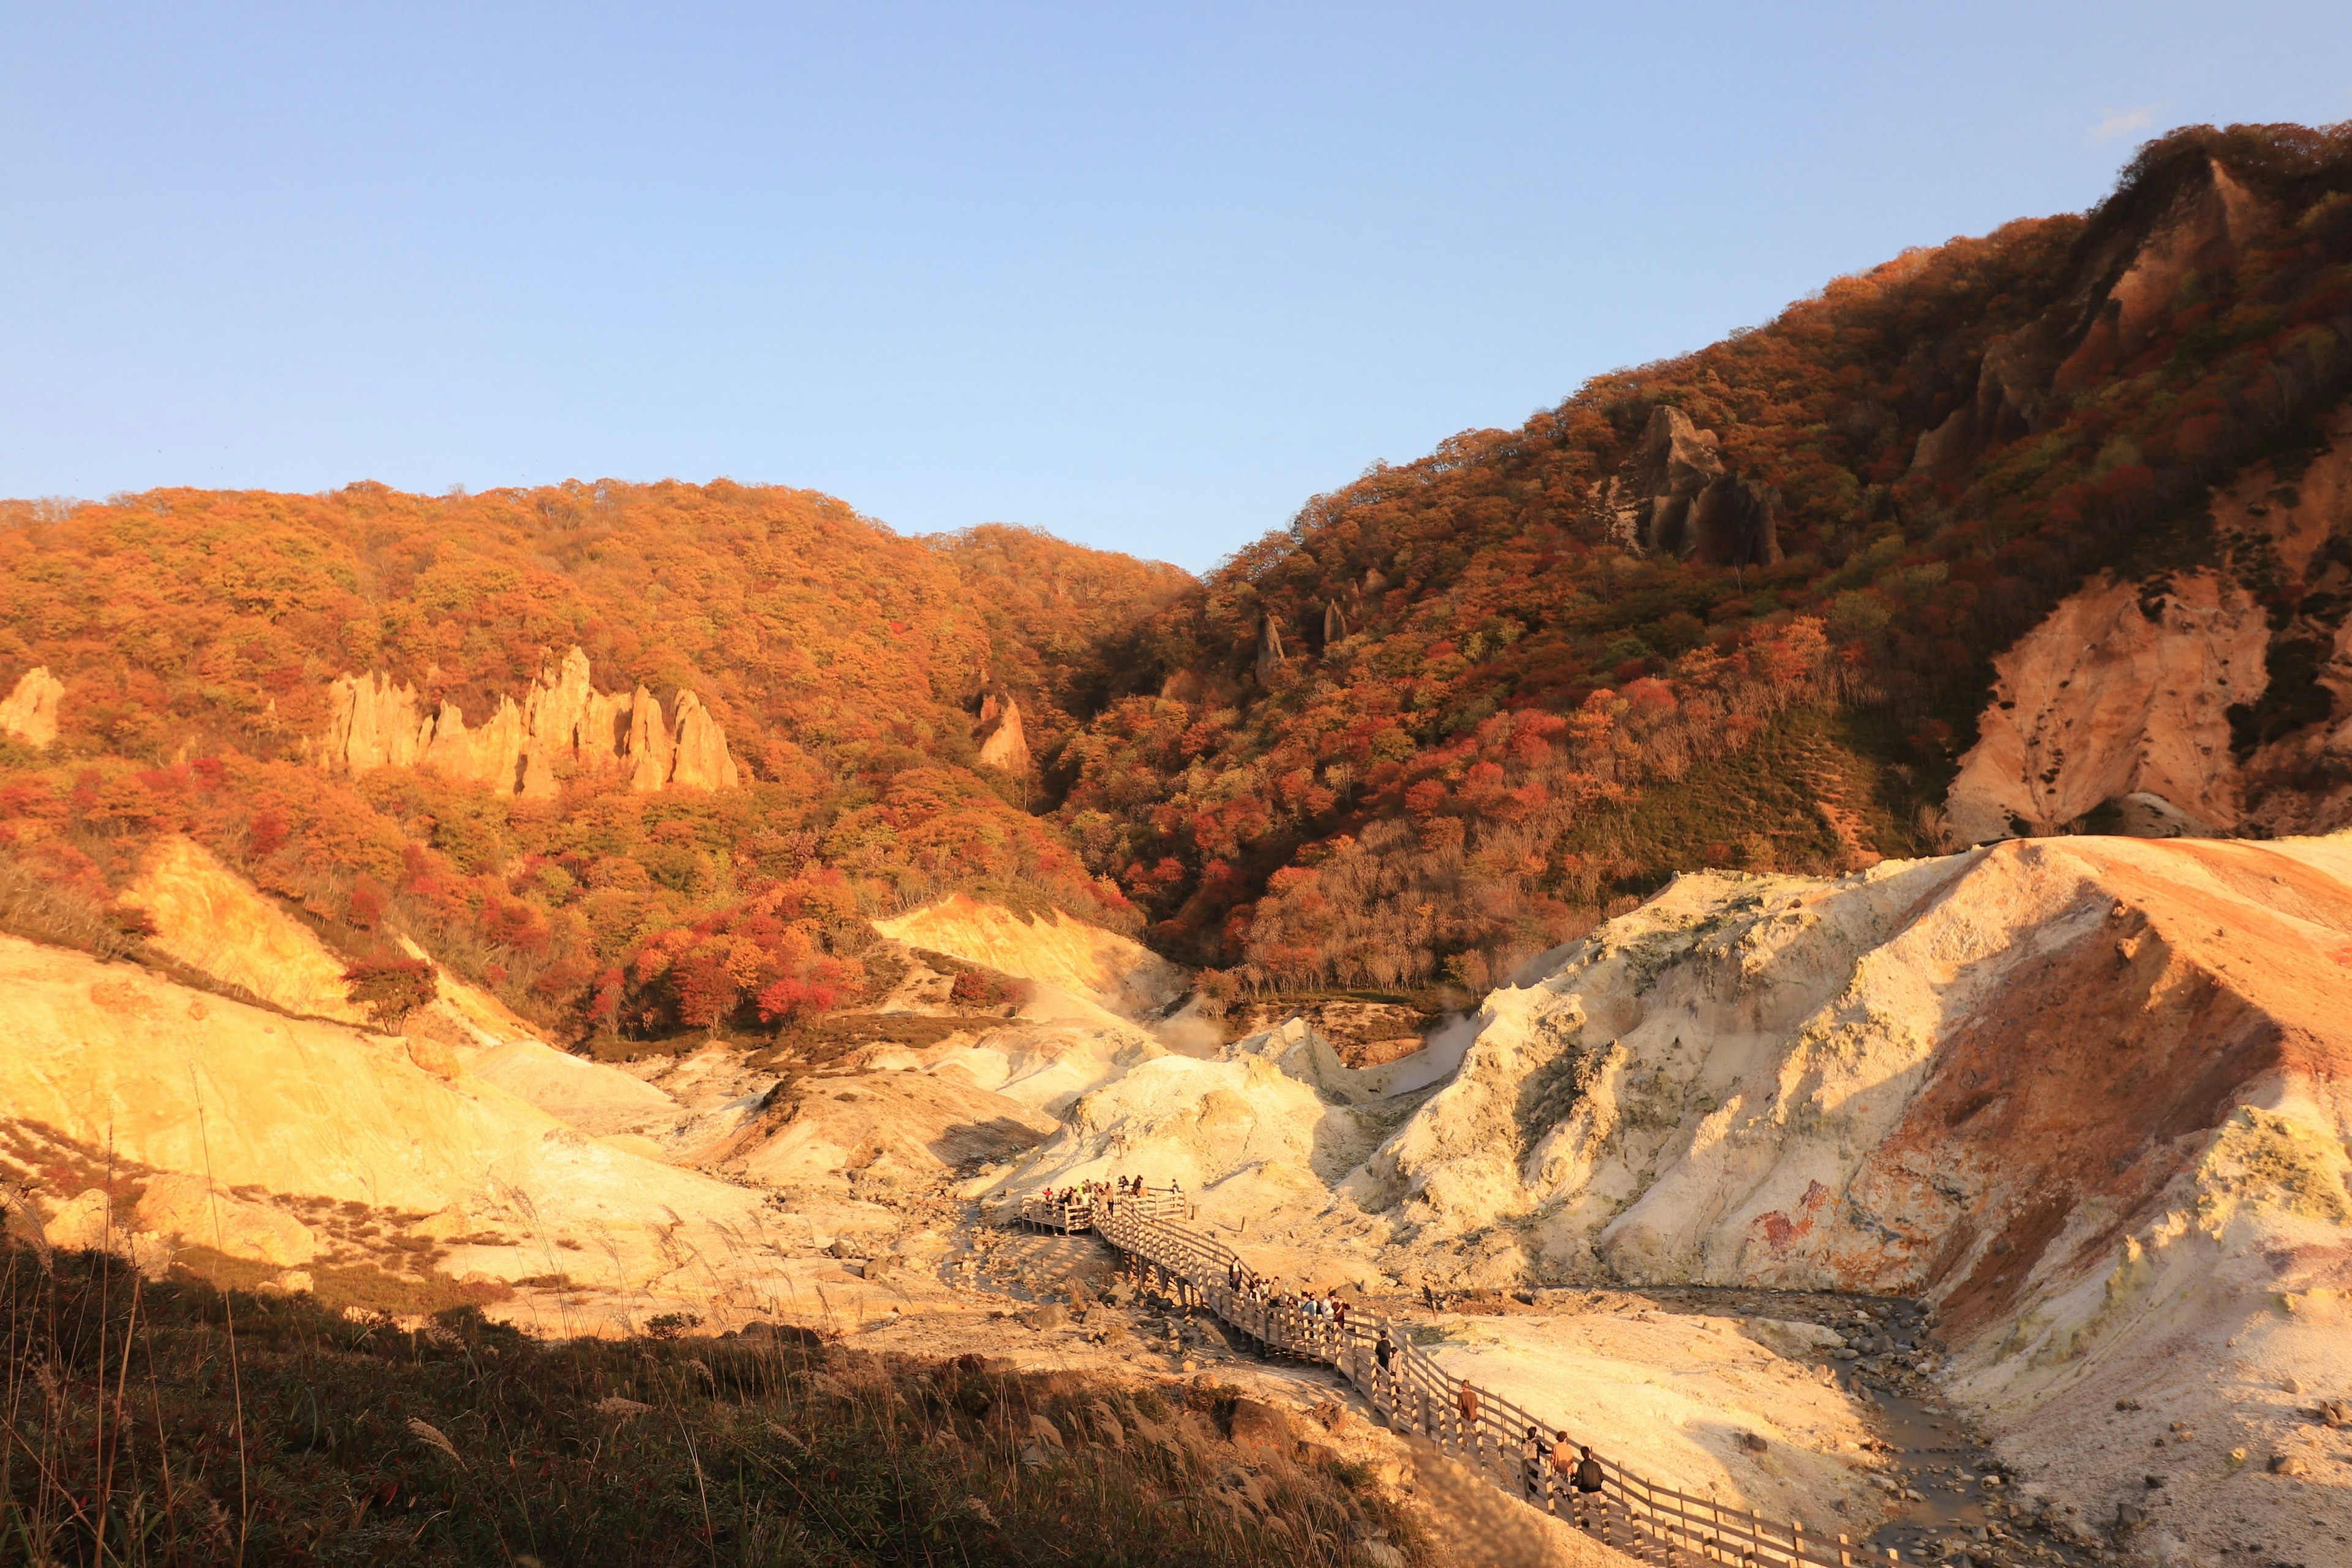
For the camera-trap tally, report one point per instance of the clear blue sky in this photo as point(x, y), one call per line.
point(1146, 276)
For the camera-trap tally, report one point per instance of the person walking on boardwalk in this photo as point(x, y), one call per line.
point(1563, 1466)
point(1589, 1481)
point(1467, 1402)
point(1383, 1351)
point(1531, 1458)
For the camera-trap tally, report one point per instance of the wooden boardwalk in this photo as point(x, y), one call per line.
point(1481, 1429)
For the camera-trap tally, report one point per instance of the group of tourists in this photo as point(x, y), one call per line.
point(1551, 1467)
point(1090, 1191)
point(1318, 1316)
point(1571, 1467)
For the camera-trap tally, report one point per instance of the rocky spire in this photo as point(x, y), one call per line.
point(1270, 654)
point(373, 723)
point(650, 752)
point(563, 726)
point(1001, 743)
point(702, 759)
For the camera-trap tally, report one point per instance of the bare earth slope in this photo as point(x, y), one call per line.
point(2088, 1097)
point(2207, 701)
point(100, 1061)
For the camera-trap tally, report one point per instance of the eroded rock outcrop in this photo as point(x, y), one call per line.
point(2085, 1096)
point(30, 711)
point(1686, 504)
point(213, 921)
point(105, 1062)
point(701, 760)
point(907, 1127)
point(2026, 378)
point(1271, 654)
point(563, 726)
point(2212, 700)
point(1001, 743)
point(2115, 697)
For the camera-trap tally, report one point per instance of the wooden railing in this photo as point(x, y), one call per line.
point(1491, 1434)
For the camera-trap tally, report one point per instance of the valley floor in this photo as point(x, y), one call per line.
point(1992, 1207)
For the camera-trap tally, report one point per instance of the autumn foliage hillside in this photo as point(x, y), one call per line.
point(1461, 706)
point(1734, 609)
point(197, 633)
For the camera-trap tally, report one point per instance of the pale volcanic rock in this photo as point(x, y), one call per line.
point(372, 723)
point(1668, 1394)
point(570, 725)
point(1118, 971)
point(563, 726)
point(652, 754)
point(29, 712)
point(1002, 744)
point(906, 1126)
point(1045, 1063)
point(702, 760)
point(213, 921)
point(492, 1044)
point(490, 756)
point(194, 1212)
point(95, 1057)
point(2084, 1095)
point(2121, 697)
point(2102, 700)
point(1244, 1136)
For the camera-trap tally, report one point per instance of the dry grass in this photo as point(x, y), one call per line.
point(158, 1423)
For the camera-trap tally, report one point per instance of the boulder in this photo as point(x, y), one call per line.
point(194, 1212)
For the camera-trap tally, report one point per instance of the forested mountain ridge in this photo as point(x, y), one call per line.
point(197, 637)
point(1735, 608)
point(1739, 608)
